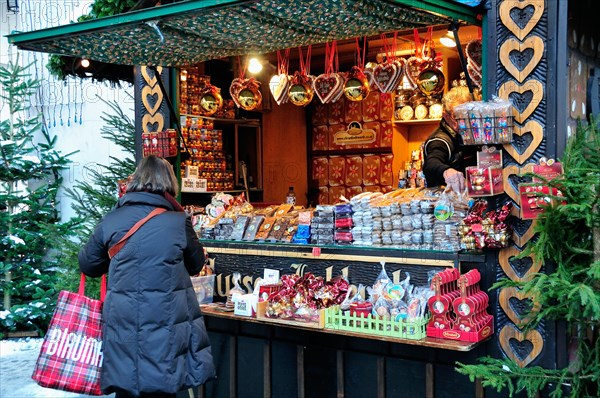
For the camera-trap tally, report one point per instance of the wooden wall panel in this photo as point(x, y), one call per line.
point(284, 153)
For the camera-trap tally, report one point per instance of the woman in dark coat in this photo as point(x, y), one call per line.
point(154, 342)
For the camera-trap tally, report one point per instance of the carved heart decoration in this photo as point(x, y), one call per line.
point(509, 189)
point(522, 231)
point(531, 127)
point(234, 90)
point(511, 301)
point(150, 80)
point(328, 87)
point(148, 122)
point(533, 86)
point(520, 7)
point(386, 76)
point(149, 92)
point(511, 339)
point(279, 86)
point(518, 70)
point(506, 258)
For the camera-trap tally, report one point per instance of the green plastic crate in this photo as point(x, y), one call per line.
point(336, 319)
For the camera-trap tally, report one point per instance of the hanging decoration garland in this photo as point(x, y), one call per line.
point(301, 90)
point(245, 92)
point(388, 74)
point(356, 86)
point(329, 85)
point(280, 83)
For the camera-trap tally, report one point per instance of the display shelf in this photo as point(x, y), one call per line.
point(249, 122)
point(341, 253)
point(354, 151)
point(417, 122)
point(213, 311)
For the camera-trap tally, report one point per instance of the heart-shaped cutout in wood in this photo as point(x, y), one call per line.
point(329, 87)
point(531, 127)
point(518, 306)
point(526, 20)
point(234, 90)
point(509, 189)
point(279, 86)
point(386, 76)
point(532, 88)
point(153, 123)
point(518, 269)
point(147, 72)
point(522, 231)
point(521, 347)
point(149, 101)
point(520, 58)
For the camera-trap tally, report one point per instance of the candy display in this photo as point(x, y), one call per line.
point(162, 143)
point(481, 229)
point(459, 307)
point(485, 122)
point(300, 297)
point(206, 149)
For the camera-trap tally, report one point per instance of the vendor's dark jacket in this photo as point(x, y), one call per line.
point(154, 337)
point(444, 150)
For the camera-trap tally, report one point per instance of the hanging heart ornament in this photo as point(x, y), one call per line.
point(329, 87)
point(279, 86)
point(356, 86)
point(301, 90)
point(387, 76)
point(210, 100)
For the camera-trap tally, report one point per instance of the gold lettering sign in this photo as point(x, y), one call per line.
point(355, 134)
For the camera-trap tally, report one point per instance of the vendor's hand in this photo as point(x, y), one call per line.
point(455, 180)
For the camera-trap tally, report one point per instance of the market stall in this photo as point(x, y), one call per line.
point(260, 146)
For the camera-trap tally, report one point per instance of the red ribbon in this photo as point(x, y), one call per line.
point(360, 59)
point(305, 63)
point(283, 62)
point(331, 57)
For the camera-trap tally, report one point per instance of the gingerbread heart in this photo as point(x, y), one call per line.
point(370, 78)
point(412, 69)
point(279, 86)
point(236, 86)
point(329, 87)
point(386, 76)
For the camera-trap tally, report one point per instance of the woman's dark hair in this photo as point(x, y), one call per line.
point(153, 174)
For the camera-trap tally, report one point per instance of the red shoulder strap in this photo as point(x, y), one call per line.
point(119, 245)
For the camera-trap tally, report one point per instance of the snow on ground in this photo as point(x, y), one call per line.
point(17, 360)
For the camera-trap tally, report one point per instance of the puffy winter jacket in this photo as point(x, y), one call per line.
point(154, 335)
point(444, 150)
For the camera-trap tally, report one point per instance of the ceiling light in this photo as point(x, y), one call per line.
point(448, 40)
point(85, 63)
point(254, 66)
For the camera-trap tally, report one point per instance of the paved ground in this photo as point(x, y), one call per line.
point(17, 360)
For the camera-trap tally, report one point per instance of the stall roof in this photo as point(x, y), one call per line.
point(193, 31)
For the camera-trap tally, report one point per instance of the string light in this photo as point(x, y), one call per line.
point(254, 66)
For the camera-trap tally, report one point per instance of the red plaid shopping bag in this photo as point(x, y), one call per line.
point(71, 354)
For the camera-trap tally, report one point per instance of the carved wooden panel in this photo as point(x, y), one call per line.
point(522, 76)
point(151, 110)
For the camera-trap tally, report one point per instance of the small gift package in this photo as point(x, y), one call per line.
point(486, 179)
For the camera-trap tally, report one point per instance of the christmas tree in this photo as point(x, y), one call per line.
point(568, 242)
point(30, 177)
